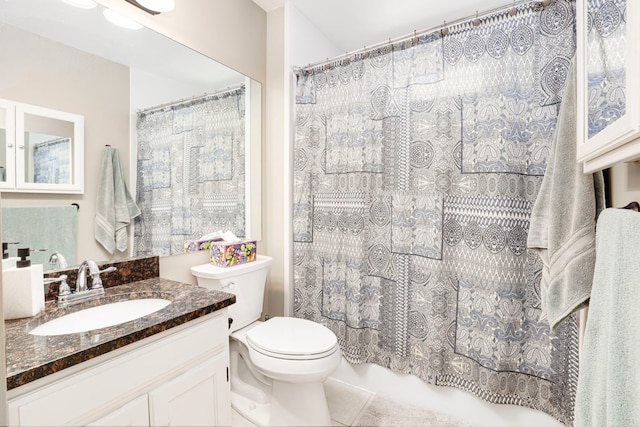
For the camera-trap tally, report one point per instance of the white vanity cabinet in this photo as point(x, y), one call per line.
point(178, 377)
point(608, 82)
point(187, 399)
point(133, 414)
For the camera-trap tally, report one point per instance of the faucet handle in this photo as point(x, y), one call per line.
point(64, 288)
point(96, 281)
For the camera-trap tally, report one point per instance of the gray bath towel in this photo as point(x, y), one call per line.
point(115, 208)
point(563, 219)
point(609, 379)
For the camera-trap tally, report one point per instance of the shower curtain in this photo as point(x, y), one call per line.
point(191, 176)
point(416, 166)
point(52, 160)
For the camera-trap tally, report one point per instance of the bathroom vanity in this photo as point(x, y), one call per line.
point(166, 368)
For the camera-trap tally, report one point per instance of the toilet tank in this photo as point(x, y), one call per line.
point(245, 281)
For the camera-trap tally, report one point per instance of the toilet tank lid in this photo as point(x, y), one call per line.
point(292, 336)
point(211, 271)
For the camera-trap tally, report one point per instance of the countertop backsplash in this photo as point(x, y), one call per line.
point(128, 270)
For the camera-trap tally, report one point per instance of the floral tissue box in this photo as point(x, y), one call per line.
point(197, 245)
point(227, 254)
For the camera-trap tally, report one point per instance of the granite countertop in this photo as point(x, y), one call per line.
point(31, 357)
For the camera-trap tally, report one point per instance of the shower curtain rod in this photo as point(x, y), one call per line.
point(444, 26)
point(184, 100)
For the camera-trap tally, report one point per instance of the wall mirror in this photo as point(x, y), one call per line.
point(138, 70)
point(608, 84)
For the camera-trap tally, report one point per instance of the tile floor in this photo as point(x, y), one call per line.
point(353, 406)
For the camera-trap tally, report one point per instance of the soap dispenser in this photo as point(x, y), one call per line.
point(7, 261)
point(23, 255)
point(23, 288)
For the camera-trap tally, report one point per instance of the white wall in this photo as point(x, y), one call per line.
point(306, 43)
point(274, 206)
point(291, 40)
point(625, 183)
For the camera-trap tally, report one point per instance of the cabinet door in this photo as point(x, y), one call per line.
point(133, 414)
point(50, 150)
point(608, 83)
point(199, 397)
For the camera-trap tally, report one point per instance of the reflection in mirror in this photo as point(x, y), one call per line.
point(50, 234)
point(605, 50)
point(191, 171)
point(50, 150)
point(64, 46)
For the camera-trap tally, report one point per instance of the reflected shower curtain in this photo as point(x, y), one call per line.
point(415, 170)
point(190, 172)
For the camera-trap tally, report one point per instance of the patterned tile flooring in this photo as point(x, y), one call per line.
point(354, 406)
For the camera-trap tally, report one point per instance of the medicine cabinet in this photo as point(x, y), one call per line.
point(41, 150)
point(608, 82)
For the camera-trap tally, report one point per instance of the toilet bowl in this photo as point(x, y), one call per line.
point(277, 367)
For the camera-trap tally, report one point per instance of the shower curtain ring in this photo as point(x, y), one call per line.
point(445, 29)
point(513, 10)
point(476, 22)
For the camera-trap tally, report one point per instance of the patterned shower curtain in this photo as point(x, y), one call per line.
point(191, 176)
point(52, 160)
point(606, 52)
point(415, 170)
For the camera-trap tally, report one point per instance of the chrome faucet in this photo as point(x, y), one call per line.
point(57, 259)
point(82, 291)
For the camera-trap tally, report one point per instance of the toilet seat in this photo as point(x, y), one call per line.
point(292, 339)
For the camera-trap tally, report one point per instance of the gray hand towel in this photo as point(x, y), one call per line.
point(115, 208)
point(563, 219)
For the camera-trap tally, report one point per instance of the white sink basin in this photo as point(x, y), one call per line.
point(101, 316)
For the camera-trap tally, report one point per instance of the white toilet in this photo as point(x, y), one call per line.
point(277, 366)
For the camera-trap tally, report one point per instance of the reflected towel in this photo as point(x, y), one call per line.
point(115, 208)
point(609, 379)
point(563, 219)
point(58, 233)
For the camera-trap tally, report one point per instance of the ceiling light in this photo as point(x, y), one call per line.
point(157, 6)
point(84, 4)
point(120, 21)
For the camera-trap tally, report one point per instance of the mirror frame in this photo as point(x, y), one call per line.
point(76, 186)
point(16, 181)
point(9, 145)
